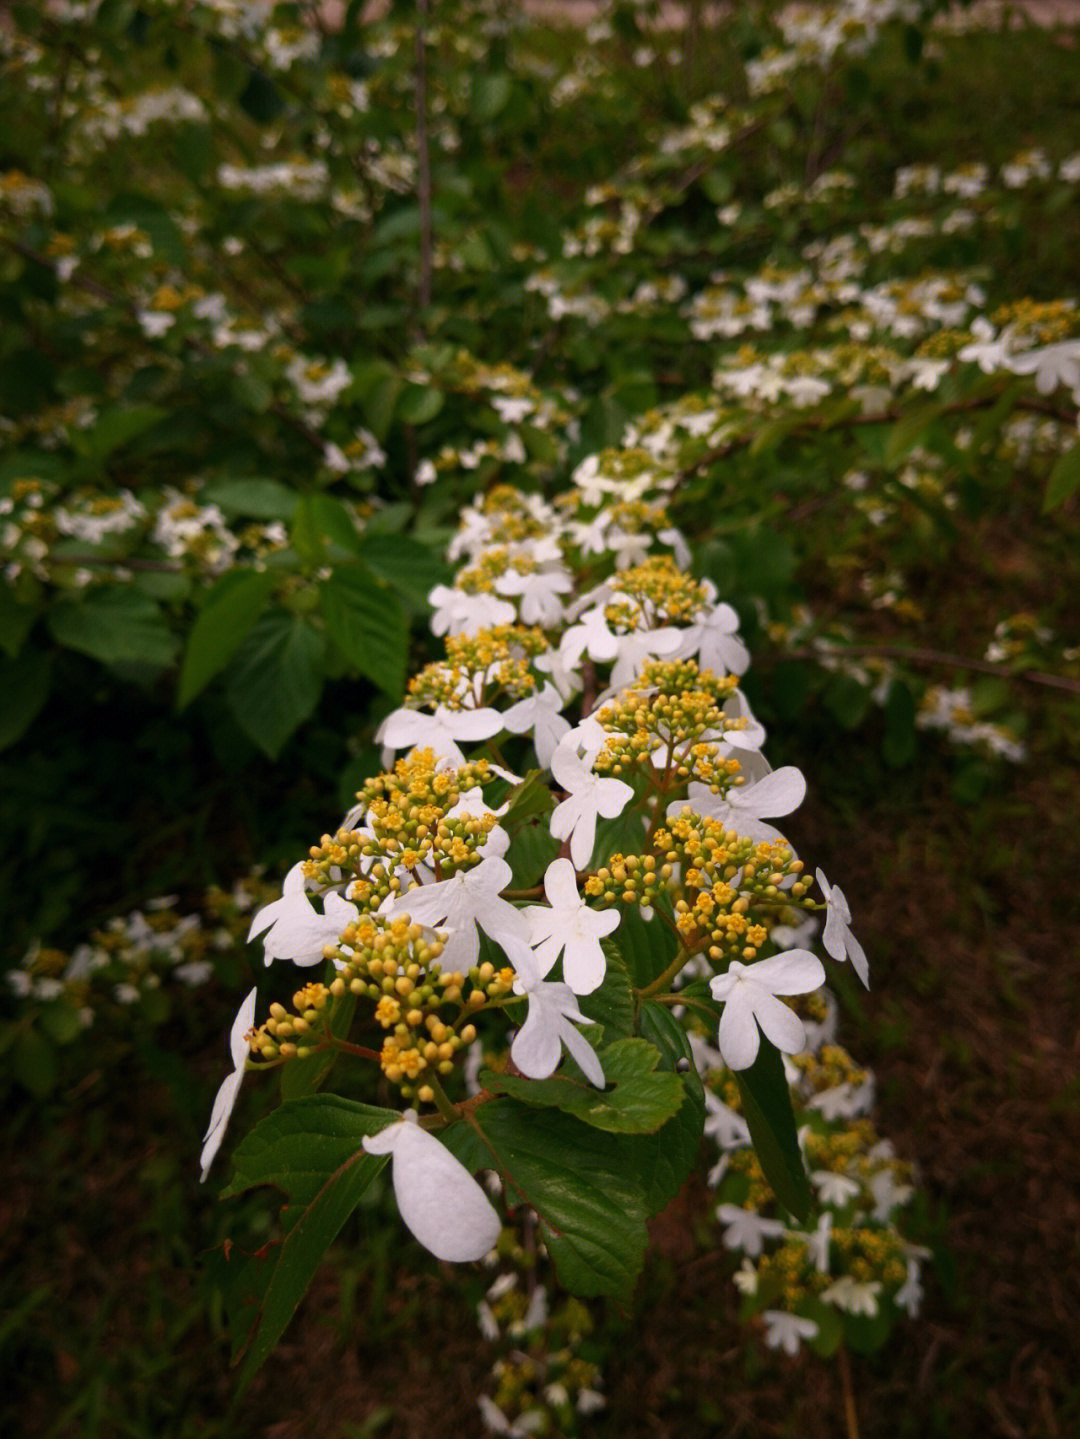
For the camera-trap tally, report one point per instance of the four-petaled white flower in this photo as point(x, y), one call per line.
point(715, 640)
point(458, 613)
point(230, 1085)
point(838, 938)
point(833, 1188)
point(749, 995)
point(439, 1200)
point(542, 714)
point(570, 926)
point(549, 1024)
point(588, 797)
point(408, 728)
point(294, 929)
point(537, 594)
point(467, 899)
point(745, 808)
point(746, 1229)
point(786, 1331)
point(849, 1294)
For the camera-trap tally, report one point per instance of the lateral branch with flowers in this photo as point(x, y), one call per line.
point(564, 875)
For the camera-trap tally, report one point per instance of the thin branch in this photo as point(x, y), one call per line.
point(922, 655)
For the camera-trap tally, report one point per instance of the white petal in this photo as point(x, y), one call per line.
point(441, 1203)
point(537, 1048)
point(779, 1024)
point(796, 971)
point(738, 1035)
point(776, 794)
point(560, 885)
point(587, 1058)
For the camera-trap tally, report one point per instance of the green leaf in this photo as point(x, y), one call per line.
point(612, 1005)
point(419, 403)
point(898, 746)
point(767, 1110)
point(579, 1181)
point(663, 1161)
point(302, 1077)
point(256, 498)
point(319, 521)
point(1064, 479)
point(276, 680)
point(224, 622)
point(24, 688)
point(531, 799)
point(490, 94)
point(16, 621)
point(115, 625)
point(636, 1101)
point(622, 835)
point(33, 1063)
point(531, 850)
point(312, 1149)
point(116, 427)
point(647, 946)
point(411, 567)
point(366, 622)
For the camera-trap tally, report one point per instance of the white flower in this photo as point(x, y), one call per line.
point(747, 1230)
point(716, 642)
point(409, 728)
point(855, 1298)
point(744, 808)
point(745, 1278)
point(459, 613)
point(539, 592)
point(439, 1200)
point(748, 993)
point(817, 1243)
point(294, 928)
point(787, 1331)
point(569, 926)
point(540, 713)
point(467, 899)
point(838, 938)
point(724, 1125)
point(230, 1085)
point(834, 1188)
point(588, 797)
point(537, 1046)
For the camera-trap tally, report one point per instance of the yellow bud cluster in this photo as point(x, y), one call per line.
point(790, 1269)
point(659, 593)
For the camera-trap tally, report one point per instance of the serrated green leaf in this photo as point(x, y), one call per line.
point(320, 523)
point(366, 622)
point(612, 1005)
point(579, 1181)
point(528, 800)
point(115, 625)
point(411, 567)
point(766, 1103)
point(622, 835)
point(647, 946)
point(663, 1161)
point(224, 622)
point(636, 1100)
point(1064, 479)
point(312, 1149)
point(531, 850)
point(276, 679)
